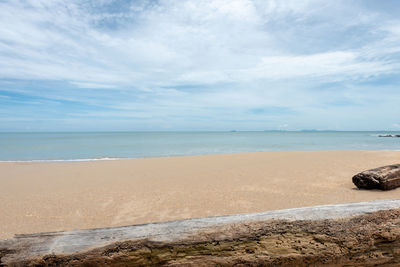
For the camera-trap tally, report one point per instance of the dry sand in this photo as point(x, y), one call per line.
point(53, 196)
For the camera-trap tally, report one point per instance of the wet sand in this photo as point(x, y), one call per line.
point(54, 196)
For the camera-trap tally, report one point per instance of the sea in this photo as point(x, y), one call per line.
point(88, 146)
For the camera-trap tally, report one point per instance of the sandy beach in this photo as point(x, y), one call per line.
point(54, 196)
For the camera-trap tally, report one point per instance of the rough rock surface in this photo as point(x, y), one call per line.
point(383, 178)
point(389, 135)
point(370, 239)
point(366, 240)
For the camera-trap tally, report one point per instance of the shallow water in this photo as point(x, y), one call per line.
point(114, 145)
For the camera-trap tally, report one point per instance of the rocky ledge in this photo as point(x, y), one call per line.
point(389, 135)
point(358, 234)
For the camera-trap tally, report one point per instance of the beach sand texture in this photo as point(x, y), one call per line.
point(54, 196)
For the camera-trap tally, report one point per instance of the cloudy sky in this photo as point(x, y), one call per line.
point(199, 65)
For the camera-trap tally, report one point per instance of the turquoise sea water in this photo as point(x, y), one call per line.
point(111, 145)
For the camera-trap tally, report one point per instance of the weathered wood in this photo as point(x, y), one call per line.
point(293, 237)
point(383, 178)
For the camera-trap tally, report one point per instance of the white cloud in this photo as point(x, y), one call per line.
point(184, 41)
point(92, 85)
point(198, 57)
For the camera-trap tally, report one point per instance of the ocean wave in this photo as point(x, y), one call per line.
point(66, 160)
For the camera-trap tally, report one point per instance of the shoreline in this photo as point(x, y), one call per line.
point(67, 195)
point(173, 156)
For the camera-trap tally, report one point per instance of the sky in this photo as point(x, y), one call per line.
point(109, 65)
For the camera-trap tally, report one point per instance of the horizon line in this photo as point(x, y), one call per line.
point(196, 131)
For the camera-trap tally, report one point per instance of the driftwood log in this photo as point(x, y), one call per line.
point(383, 178)
point(356, 234)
